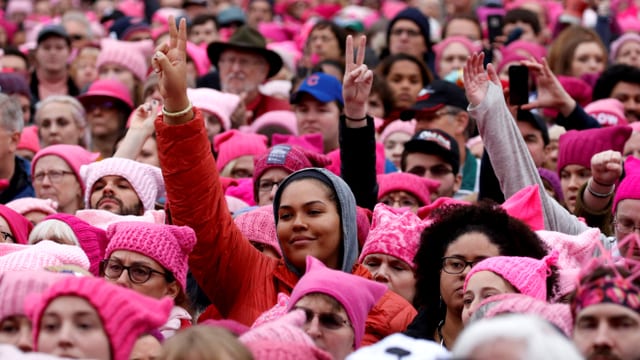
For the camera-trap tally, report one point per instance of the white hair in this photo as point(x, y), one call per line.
point(54, 230)
point(10, 114)
point(541, 340)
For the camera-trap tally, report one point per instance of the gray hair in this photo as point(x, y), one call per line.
point(77, 112)
point(11, 114)
point(78, 17)
point(54, 230)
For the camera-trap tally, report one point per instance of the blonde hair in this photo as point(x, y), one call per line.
point(204, 342)
point(54, 230)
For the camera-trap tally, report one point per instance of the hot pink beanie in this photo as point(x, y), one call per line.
point(356, 294)
point(123, 54)
point(19, 225)
point(146, 179)
point(311, 142)
point(577, 147)
point(420, 187)
point(169, 245)
point(218, 103)
point(26, 205)
point(629, 186)
point(284, 119)
point(91, 239)
point(233, 144)
point(125, 314)
point(259, 226)
point(242, 189)
point(608, 112)
point(29, 139)
point(526, 49)
point(440, 47)
point(394, 232)
point(75, 156)
point(15, 286)
point(407, 127)
point(527, 275)
point(16, 257)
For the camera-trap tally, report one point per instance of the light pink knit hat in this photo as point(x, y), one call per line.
point(284, 119)
point(125, 55)
point(218, 103)
point(440, 47)
point(75, 156)
point(146, 179)
point(527, 275)
point(17, 257)
point(29, 204)
point(15, 286)
point(407, 127)
point(259, 225)
point(125, 314)
point(617, 44)
point(394, 232)
point(420, 187)
point(233, 144)
point(234, 204)
point(629, 186)
point(608, 112)
point(169, 245)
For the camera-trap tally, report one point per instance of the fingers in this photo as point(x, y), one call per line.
point(359, 74)
point(348, 58)
point(160, 62)
point(361, 50)
point(493, 75)
point(182, 36)
point(173, 32)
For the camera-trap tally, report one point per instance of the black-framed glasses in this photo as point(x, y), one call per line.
point(54, 176)
point(138, 273)
point(454, 265)
point(7, 237)
point(329, 321)
point(436, 170)
point(625, 226)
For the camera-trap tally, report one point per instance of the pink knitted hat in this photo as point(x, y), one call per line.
point(123, 54)
point(283, 119)
point(259, 225)
point(608, 112)
point(289, 158)
point(617, 44)
point(233, 144)
point(199, 57)
point(169, 245)
point(420, 187)
point(242, 189)
point(526, 49)
point(234, 204)
point(574, 251)
point(407, 127)
point(29, 139)
point(103, 218)
point(311, 142)
point(146, 179)
point(577, 147)
point(629, 186)
point(124, 313)
point(15, 286)
point(527, 275)
point(19, 225)
point(218, 103)
point(16, 257)
point(394, 232)
point(92, 239)
point(342, 287)
point(75, 156)
point(526, 206)
point(26, 205)
point(440, 47)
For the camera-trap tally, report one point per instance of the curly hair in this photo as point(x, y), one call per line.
point(510, 235)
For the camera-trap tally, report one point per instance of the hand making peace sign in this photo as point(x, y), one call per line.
point(356, 85)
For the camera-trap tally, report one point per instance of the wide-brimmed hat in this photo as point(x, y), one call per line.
point(246, 39)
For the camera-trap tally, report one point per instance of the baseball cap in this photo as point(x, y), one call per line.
point(323, 87)
point(438, 94)
point(53, 30)
point(435, 142)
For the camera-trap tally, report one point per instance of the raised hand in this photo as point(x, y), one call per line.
point(357, 82)
point(144, 115)
point(606, 167)
point(551, 94)
point(476, 79)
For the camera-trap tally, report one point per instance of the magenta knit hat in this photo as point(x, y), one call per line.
point(19, 225)
point(146, 179)
point(259, 226)
point(15, 286)
point(394, 232)
point(16, 257)
point(420, 187)
point(26, 205)
point(110, 88)
point(125, 55)
point(617, 44)
point(29, 139)
point(125, 314)
point(629, 186)
point(218, 103)
point(527, 275)
point(91, 239)
point(407, 127)
point(608, 112)
point(233, 144)
point(289, 158)
point(169, 245)
point(578, 147)
point(283, 119)
point(526, 48)
point(440, 47)
point(312, 142)
point(356, 294)
point(75, 156)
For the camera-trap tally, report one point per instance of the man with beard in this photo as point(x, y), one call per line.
point(122, 186)
point(243, 64)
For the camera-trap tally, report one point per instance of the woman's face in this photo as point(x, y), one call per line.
point(393, 272)
point(482, 285)
point(156, 287)
point(268, 185)
point(317, 117)
point(120, 73)
point(588, 59)
point(572, 177)
point(453, 58)
point(405, 83)
point(471, 247)
point(629, 54)
point(71, 327)
point(324, 44)
point(64, 188)
point(337, 342)
point(394, 146)
point(103, 117)
point(57, 125)
point(16, 331)
point(309, 224)
point(405, 37)
point(375, 106)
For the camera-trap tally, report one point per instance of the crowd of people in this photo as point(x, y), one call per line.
point(319, 179)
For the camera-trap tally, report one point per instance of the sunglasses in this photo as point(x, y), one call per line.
point(329, 321)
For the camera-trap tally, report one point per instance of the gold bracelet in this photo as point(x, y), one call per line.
point(178, 113)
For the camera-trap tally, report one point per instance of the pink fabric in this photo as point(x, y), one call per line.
point(75, 156)
point(289, 158)
point(394, 232)
point(440, 47)
point(125, 314)
point(234, 204)
point(29, 139)
point(336, 163)
point(107, 88)
point(577, 147)
point(259, 226)
point(284, 119)
point(199, 57)
point(233, 144)
point(340, 285)
point(527, 275)
point(169, 245)
point(312, 142)
point(242, 189)
point(425, 211)
point(420, 187)
point(18, 257)
point(124, 54)
point(617, 44)
point(19, 225)
point(218, 103)
point(24, 206)
point(608, 112)
point(103, 218)
point(407, 127)
point(526, 206)
point(277, 311)
point(629, 186)
point(15, 286)
point(526, 49)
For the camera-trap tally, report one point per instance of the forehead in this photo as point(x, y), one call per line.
point(406, 24)
point(304, 190)
point(127, 257)
point(629, 208)
point(404, 67)
point(53, 41)
point(455, 48)
point(471, 245)
point(526, 128)
point(51, 161)
point(463, 27)
point(112, 178)
point(69, 304)
point(422, 159)
point(623, 88)
point(588, 48)
point(606, 311)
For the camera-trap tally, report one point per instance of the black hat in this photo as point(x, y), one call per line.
point(438, 94)
point(51, 31)
point(246, 38)
point(435, 142)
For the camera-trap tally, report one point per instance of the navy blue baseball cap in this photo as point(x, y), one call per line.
point(323, 87)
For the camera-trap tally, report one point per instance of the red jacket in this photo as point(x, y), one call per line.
point(240, 281)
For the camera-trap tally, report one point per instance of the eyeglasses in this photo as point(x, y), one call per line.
point(105, 105)
point(7, 237)
point(243, 62)
point(138, 273)
point(326, 320)
point(435, 171)
point(76, 37)
point(55, 176)
point(410, 32)
point(625, 226)
point(402, 201)
point(267, 185)
point(454, 265)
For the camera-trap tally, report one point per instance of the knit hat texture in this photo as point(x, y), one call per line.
point(312, 142)
point(629, 186)
point(608, 112)
point(29, 139)
point(16, 286)
point(578, 147)
point(258, 225)
point(233, 144)
point(26, 205)
point(285, 120)
point(415, 15)
point(12, 83)
point(19, 225)
point(420, 187)
point(123, 54)
point(407, 127)
point(17, 257)
point(74, 155)
point(216, 102)
point(617, 44)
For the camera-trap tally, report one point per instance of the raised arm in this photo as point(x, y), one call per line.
point(141, 127)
